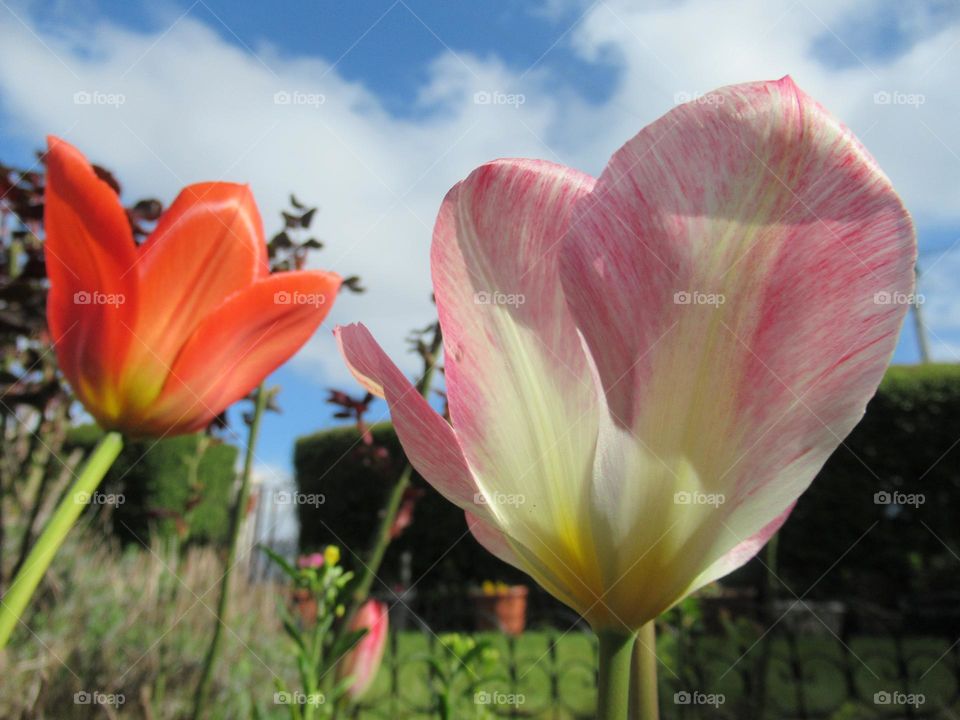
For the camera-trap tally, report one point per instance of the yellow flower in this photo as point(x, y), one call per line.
point(331, 555)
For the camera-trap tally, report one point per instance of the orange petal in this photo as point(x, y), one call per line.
point(208, 245)
point(89, 250)
point(240, 343)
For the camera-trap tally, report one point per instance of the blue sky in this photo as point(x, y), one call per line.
point(397, 127)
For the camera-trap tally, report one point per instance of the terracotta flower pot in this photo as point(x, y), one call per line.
point(504, 610)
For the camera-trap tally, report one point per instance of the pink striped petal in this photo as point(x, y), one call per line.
point(521, 394)
point(730, 274)
point(427, 439)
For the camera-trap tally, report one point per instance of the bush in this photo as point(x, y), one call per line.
point(166, 491)
point(332, 463)
point(839, 542)
point(897, 555)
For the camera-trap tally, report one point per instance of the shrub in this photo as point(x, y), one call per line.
point(165, 489)
point(839, 542)
point(355, 489)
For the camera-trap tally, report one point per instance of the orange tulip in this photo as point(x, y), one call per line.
point(159, 339)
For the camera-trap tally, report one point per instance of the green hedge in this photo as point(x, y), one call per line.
point(332, 463)
point(161, 492)
point(896, 556)
point(837, 543)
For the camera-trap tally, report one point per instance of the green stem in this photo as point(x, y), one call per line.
point(644, 689)
point(40, 557)
point(616, 654)
point(239, 512)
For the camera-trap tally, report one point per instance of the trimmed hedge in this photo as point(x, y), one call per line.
point(333, 464)
point(154, 478)
point(839, 542)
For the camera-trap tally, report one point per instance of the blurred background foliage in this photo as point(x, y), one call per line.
point(905, 561)
point(179, 487)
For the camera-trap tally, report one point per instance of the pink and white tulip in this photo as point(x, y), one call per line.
point(646, 370)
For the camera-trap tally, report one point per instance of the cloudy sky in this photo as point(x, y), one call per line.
point(373, 109)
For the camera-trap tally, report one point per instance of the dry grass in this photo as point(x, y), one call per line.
point(137, 623)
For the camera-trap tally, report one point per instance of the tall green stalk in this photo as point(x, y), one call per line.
point(239, 511)
point(644, 690)
point(613, 687)
point(76, 499)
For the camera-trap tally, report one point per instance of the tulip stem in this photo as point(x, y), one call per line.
point(236, 522)
point(613, 687)
point(644, 689)
point(73, 503)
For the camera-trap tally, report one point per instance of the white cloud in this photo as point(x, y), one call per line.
point(196, 107)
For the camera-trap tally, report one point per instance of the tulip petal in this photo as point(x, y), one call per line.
point(728, 274)
point(742, 552)
point(427, 439)
point(251, 334)
point(363, 661)
point(211, 241)
point(89, 251)
point(521, 394)
point(492, 540)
